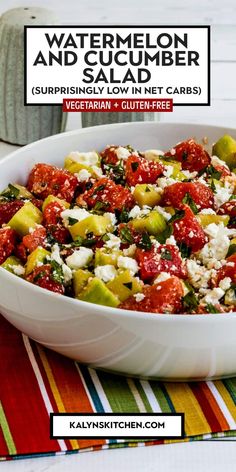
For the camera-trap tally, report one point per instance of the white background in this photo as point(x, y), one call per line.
point(199, 456)
point(172, 426)
point(160, 76)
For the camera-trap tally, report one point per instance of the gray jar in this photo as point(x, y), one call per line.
point(21, 124)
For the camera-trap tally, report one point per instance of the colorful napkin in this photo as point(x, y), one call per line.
point(35, 381)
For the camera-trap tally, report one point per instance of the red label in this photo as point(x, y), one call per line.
point(119, 104)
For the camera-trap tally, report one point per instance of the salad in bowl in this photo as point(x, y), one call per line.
point(144, 230)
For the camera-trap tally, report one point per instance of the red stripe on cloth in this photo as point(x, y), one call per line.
point(47, 386)
point(26, 414)
point(208, 405)
point(71, 389)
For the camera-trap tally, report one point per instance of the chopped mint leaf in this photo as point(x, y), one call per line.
point(134, 166)
point(190, 202)
point(129, 285)
point(145, 242)
point(11, 192)
point(177, 216)
point(72, 221)
point(57, 272)
point(231, 250)
point(126, 236)
point(166, 254)
point(162, 237)
point(211, 308)
point(184, 249)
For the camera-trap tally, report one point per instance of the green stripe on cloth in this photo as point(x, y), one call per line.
point(230, 384)
point(162, 397)
point(143, 396)
point(6, 432)
point(118, 393)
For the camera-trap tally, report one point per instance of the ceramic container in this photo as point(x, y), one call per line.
point(21, 124)
point(149, 345)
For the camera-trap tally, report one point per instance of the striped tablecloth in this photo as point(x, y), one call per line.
point(35, 381)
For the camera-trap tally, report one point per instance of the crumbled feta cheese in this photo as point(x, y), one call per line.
point(130, 251)
point(137, 212)
point(230, 264)
point(97, 171)
point(111, 217)
point(202, 180)
point(213, 296)
point(191, 234)
point(83, 175)
point(80, 258)
point(122, 153)
point(18, 269)
point(164, 213)
point(207, 211)
point(197, 274)
point(218, 162)
point(155, 243)
point(219, 230)
point(223, 194)
point(113, 242)
point(190, 175)
point(87, 158)
point(217, 248)
point(162, 277)
point(67, 273)
point(152, 154)
point(139, 297)
point(168, 171)
point(173, 151)
point(225, 283)
point(55, 254)
point(164, 182)
point(105, 272)
point(171, 240)
point(77, 213)
point(124, 262)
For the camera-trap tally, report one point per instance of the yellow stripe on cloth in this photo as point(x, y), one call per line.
point(60, 405)
point(6, 432)
point(226, 397)
point(184, 401)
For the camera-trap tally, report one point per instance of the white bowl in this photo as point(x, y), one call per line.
point(149, 345)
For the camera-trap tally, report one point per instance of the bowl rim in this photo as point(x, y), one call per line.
point(107, 310)
point(102, 308)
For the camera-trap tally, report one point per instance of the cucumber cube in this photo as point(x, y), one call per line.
point(10, 263)
point(27, 217)
point(145, 194)
point(97, 292)
point(206, 220)
point(104, 258)
point(80, 280)
point(225, 149)
point(37, 256)
point(52, 198)
point(124, 285)
point(154, 223)
point(96, 224)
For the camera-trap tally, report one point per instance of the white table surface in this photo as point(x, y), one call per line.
point(198, 456)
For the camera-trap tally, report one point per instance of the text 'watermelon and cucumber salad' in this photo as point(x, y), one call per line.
point(148, 231)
